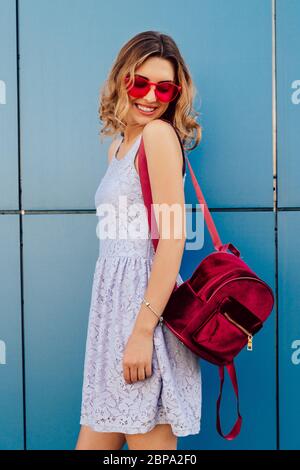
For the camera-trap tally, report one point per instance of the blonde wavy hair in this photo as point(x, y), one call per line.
point(114, 100)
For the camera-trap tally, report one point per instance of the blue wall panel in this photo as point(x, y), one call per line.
point(289, 329)
point(8, 107)
point(59, 259)
point(11, 393)
point(229, 46)
point(288, 96)
point(59, 80)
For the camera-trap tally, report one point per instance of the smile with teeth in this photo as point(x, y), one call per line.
point(145, 109)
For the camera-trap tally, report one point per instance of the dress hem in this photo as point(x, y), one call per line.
point(123, 429)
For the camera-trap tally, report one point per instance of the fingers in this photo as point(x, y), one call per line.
point(148, 370)
point(126, 373)
point(134, 374)
point(141, 373)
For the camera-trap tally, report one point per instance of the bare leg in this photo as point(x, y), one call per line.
point(93, 440)
point(160, 437)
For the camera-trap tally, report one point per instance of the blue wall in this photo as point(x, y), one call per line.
point(54, 56)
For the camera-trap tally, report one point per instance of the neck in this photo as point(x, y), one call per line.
point(131, 132)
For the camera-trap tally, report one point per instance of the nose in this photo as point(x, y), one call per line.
point(151, 97)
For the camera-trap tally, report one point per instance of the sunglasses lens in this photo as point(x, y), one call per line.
point(139, 87)
point(166, 92)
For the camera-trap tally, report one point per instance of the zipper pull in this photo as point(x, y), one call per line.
point(249, 345)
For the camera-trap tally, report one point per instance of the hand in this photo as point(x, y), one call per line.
point(137, 360)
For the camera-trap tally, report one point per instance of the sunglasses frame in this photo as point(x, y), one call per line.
point(149, 83)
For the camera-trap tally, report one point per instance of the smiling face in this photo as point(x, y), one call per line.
point(155, 69)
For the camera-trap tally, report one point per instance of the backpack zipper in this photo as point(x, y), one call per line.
point(221, 278)
point(250, 336)
point(236, 279)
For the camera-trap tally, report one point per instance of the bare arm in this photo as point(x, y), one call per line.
point(164, 159)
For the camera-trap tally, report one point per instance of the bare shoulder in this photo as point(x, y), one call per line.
point(113, 148)
point(159, 128)
point(161, 140)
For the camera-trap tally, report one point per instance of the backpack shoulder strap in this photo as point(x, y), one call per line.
point(237, 425)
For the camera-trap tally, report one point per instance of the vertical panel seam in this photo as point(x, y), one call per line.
point(20, 224)
point(275, 208)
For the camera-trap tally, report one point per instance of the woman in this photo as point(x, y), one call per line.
point(141, 384)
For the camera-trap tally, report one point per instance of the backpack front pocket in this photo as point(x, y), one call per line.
point(224, 335)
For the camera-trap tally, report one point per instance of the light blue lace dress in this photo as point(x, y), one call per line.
point(173, 393)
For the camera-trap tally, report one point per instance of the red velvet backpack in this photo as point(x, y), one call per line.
point(217, 311)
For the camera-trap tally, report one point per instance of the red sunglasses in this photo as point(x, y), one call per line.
point(164, 91)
